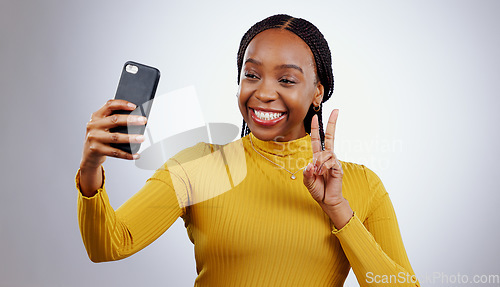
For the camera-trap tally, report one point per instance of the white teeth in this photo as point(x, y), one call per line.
point(267, 115)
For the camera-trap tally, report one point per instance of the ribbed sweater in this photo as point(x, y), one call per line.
point(250, 223)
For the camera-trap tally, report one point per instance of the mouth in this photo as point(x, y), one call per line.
point(266, 118)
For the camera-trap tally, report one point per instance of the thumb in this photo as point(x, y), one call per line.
point(309, 176)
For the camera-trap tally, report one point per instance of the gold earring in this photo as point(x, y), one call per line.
point(316, 109)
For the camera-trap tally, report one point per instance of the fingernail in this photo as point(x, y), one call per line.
point(142, 120)
point(139, 138)
point(131, 105)
point(136, 156)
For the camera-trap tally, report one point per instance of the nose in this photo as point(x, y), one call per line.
point(265, 92)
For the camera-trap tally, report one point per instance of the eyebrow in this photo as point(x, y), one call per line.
point(280, 67)
point(290, 66)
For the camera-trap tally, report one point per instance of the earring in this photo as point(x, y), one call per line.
point(316, 109)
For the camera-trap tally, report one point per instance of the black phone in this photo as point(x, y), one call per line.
point(137, 84)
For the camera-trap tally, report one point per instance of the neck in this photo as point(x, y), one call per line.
point(289, 136)
point(291, 155)
point(283, 148)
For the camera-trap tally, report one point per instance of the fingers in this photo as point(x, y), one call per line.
point(330, 130)
point(322, 162)
point(326, 163)
point(111, 106)
point(309, 177)
point(315, 139)
point(336, 170)
point(106, 150)
point(98, 138)
point(106, 137)
point(115, 120)
point(99, 141)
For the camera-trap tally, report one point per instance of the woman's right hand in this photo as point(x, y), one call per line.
point(98, 139)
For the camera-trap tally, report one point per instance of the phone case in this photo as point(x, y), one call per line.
point(137, 84)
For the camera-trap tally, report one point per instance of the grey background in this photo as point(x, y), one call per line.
point(416, 85)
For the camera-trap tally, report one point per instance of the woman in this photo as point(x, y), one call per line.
point(275, 208)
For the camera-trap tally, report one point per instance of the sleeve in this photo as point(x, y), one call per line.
point(112, 235)
point(375, 249)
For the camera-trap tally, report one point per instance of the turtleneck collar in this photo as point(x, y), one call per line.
point(300, 147)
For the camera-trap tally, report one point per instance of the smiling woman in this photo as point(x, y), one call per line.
point(274, 208)
point(278, 84)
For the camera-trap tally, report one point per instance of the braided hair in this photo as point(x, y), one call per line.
point(319, 48)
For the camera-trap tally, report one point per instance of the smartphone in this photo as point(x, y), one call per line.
point(137, 84)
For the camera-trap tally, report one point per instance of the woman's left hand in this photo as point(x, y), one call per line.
point(323, 177)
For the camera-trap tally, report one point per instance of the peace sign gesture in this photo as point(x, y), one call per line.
point(323, 177)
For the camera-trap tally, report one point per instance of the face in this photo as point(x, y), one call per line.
point(278, 84)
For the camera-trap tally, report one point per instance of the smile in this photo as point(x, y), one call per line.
point(267, 118)
point(267, 115)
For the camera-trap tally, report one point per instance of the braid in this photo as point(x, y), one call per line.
point(319, 48)
point(243, 129)
point(321, 130)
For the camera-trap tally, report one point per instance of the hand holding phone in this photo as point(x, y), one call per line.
point(111, 125)
point(117, 128)
point(137, 85)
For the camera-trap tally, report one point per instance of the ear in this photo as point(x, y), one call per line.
point(318, 95)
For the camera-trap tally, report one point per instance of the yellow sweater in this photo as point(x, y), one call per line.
point(250, 223)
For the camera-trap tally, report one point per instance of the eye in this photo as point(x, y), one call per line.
point(287, 81)
point(249, 75)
